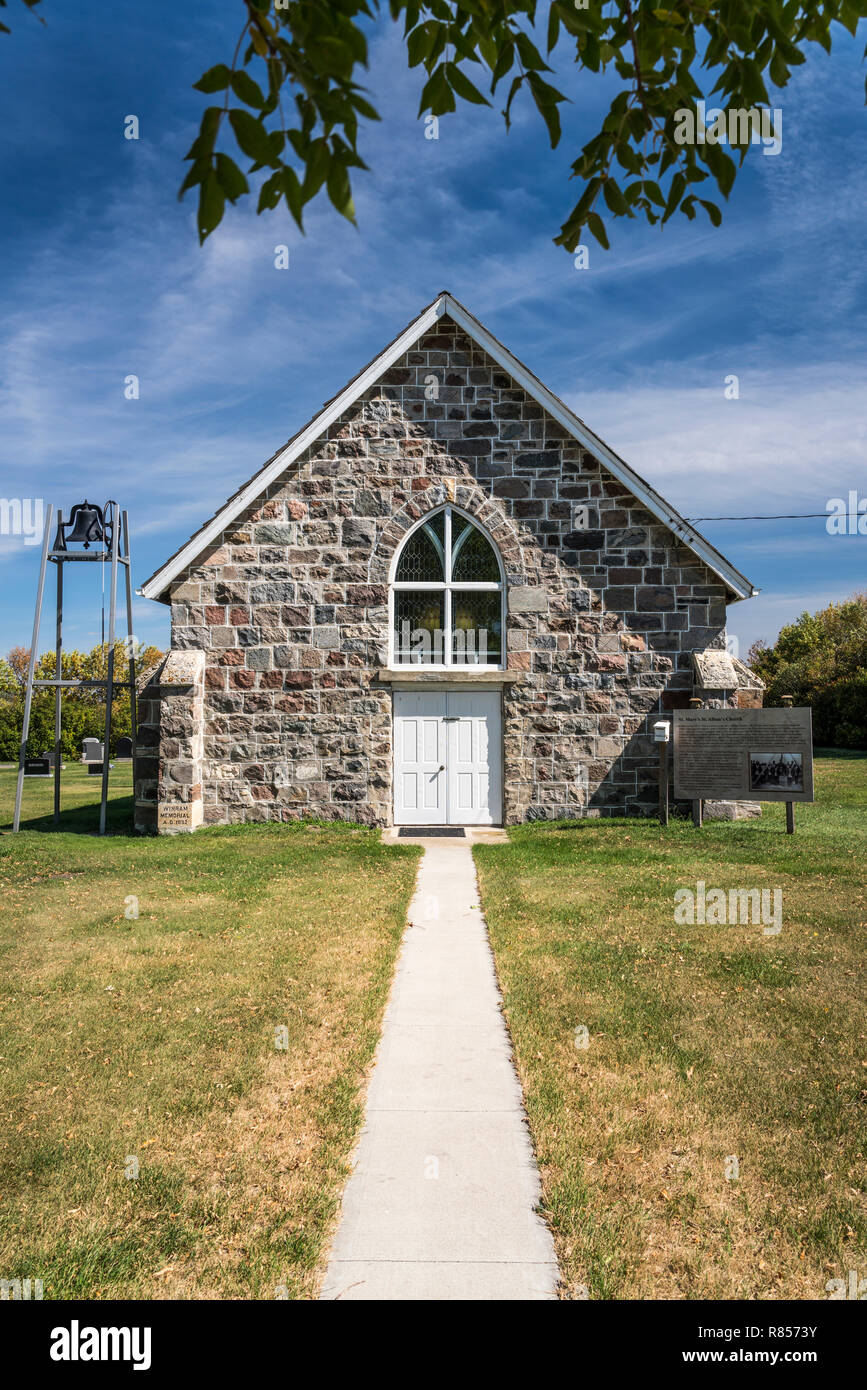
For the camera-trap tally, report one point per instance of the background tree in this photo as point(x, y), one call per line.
point(289, 104)
point(9, 686)
point(18, 659)
point(821, 659)
point(83, 710)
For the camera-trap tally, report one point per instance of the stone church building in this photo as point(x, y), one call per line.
point(444, 601)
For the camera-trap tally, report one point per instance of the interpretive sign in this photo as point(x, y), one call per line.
point(743, 754)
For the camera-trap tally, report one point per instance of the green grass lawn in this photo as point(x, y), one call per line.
point(80, 792)
point(152, 1040)
point(706, 1044)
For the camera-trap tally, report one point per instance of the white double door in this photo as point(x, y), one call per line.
point(447, 758)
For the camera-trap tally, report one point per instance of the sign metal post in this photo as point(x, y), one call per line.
point(697, 820)
point(788, 701)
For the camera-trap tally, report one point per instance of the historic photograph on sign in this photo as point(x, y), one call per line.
point(776, 771)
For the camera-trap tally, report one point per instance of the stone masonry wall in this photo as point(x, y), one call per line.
point(170, 744)
point(291, 606)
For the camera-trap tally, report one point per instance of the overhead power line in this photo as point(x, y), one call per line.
point(785, 516)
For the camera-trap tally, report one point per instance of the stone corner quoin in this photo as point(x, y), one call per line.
point(285, 715)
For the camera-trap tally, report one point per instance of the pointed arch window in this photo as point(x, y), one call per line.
point(447, 596)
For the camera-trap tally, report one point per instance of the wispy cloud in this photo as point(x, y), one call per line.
point(105, 279)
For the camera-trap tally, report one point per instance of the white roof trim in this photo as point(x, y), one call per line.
point(737, 583)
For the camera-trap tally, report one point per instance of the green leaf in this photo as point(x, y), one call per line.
point(517, 82)
point(546, 98)
point(211, 204)
point(464, 87)
point(778, 69)
point(721, 166)
point(364, 107)
point(597, 227)
point(203, 145)
point(269, 193)
point(420, 43)
point(318, 166)
point(216, 79)
point(230, 177)
point(247, 90)
point(339, 190)
point(505, 59)
point(530, 55)
point(615, 199)
point(437, 96)
point(251, 135)
point(553, 27)
point(675, 193)
point(293, 194)
point(198, 171)
point(712, 211)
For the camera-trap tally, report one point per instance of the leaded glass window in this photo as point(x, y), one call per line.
point(419, 627)
point(447, 596)
point(422, 558)
point(473, 557)
point(477, 627)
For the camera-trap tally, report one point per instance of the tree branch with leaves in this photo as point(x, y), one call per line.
point(292, 105)
point(667, 59)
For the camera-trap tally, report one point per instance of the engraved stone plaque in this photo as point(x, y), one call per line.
point(179, 815)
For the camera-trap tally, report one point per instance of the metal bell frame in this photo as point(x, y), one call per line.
point(88, 525)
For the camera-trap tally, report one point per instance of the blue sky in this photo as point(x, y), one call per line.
point(102, 277)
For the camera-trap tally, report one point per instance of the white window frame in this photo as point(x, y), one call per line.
point(447, 587)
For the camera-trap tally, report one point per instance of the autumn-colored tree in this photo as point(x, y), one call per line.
point(18, 660)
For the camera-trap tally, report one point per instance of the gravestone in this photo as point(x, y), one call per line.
point(91, 750)
point(36, 767)
point(124, 748)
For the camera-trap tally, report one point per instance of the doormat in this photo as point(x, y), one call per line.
point(411, 832)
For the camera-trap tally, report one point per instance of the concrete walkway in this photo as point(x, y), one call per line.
point(440, 1204)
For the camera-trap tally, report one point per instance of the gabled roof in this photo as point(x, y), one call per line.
point(445, 305)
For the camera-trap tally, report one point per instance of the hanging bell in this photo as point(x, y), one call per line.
point(85, 526)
